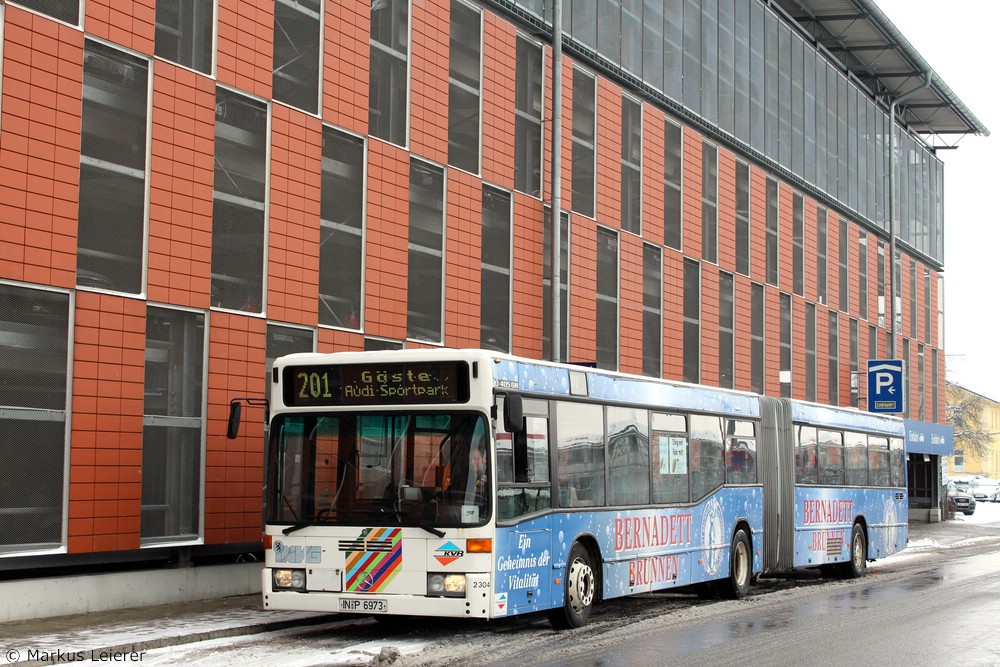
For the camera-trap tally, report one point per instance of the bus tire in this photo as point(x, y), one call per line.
point(855, 567)
point(737, 585)
point(579, 590)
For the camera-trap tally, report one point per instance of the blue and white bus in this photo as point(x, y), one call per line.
point(465, 483)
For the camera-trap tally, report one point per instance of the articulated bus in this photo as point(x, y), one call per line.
point(465, 483)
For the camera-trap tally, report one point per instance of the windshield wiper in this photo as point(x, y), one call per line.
point(305, 524)
point(419, 523)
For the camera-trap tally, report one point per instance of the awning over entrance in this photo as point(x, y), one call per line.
point(928, 438)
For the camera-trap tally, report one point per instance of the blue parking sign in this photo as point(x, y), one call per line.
point(886, 388)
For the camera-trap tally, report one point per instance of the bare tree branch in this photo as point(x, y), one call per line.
point(964, 411)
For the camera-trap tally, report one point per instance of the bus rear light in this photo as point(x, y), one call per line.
point(267, 541)
point(479, 546)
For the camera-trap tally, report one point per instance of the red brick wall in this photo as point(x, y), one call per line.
point(105, 491)
point(180, 190)
point(40, 149)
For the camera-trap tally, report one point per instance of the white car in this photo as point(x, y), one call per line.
point(984, 491)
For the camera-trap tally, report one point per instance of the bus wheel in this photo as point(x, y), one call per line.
point(579, 591)
point(737, 585)
point(855, 567)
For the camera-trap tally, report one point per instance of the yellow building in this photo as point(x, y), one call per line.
point(968, 464)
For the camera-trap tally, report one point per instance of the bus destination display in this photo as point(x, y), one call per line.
point(378, 384)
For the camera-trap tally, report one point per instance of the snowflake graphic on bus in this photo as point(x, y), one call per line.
point(641, 550)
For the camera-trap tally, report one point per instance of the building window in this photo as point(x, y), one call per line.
point(757, 371)
point(185, 32)
point(933, 412)
point(927, 306)
point(798, 245)
point(631, 165)
point(652, 310)
point(873, 341)
point(834, 358)
point(425, 302)
point(692, 321)
point(111, 235)
point(282, 340)
point(673, 178)
point(172, 425)
point(563, 286)
point(913, 300)
point(907, 372)
point(528, 104)
point(811, 352)
point(378, 344)
point(464, 87)
point(388, 86)
point(742, 218)
point(727, 323)
point(341, 229)
point(842, 258)
point(863, 275)
point(881, 284)
point(855, 350)
point(607, 299)
point(495, 303)
point(691, 55)
point(709, 203)
point(295, 73)
point(238, 210)
point(821, 255)
point(785, 351)
point(34, 358)
point(921, 388)
point(584, 141)
point(64, 10)
point(771, 250)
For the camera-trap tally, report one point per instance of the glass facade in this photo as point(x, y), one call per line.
point(746, 70)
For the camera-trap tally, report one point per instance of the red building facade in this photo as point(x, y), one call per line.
point(138, 380)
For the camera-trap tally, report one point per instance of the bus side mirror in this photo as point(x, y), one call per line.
point(513, 414)
point(233, 429)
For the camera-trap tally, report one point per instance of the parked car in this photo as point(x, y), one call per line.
point(996, 496)
point(983, 490)
point(960, 501)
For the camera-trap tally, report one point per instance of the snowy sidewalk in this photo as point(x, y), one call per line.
point(123, 635)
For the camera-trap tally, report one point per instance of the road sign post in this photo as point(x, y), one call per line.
point(886, 386)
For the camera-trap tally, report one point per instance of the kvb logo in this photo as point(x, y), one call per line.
point(448, 553)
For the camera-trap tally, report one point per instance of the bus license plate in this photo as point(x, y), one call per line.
point(374, 606)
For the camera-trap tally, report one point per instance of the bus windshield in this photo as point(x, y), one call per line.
point(426, 469)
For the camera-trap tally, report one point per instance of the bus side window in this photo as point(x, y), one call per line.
point(580, 447)
point(670, 458)
point(628, 456)
point(805, 455)
point(708, 455)
point(831, 457)
point(524, 485)
point(856, 470)
point(741, 452)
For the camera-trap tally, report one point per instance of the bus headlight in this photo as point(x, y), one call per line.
point(445, 585)
point(294, 580)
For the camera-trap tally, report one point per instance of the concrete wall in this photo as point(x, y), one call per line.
point(57, 596)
